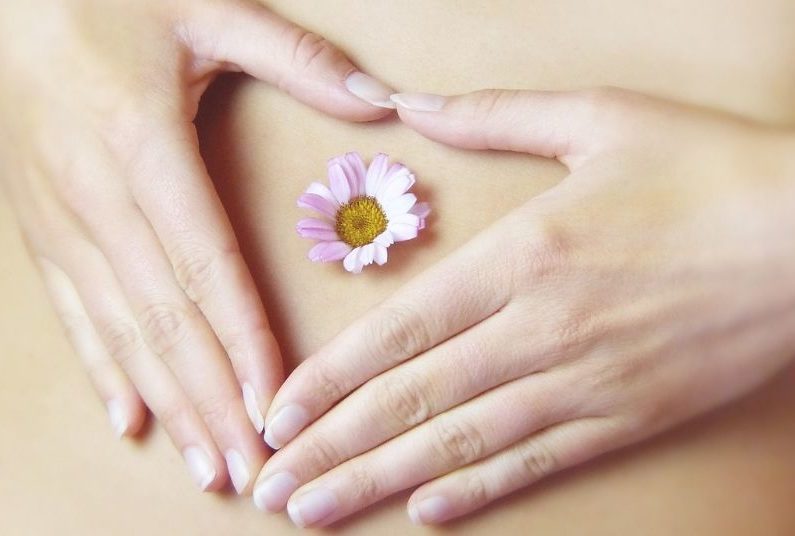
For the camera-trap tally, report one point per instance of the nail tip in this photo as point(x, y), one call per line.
point(295, 515)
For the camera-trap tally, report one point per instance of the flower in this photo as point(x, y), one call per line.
point(365, 211)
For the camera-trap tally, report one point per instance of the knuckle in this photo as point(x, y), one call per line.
point(536, 460)
point(318, 453)
point(474, 490)
point(164, 326)
point(403, 399)
point(121, 340)
point(364, 488)
point(398, 333)
point(457, 443)
point(490, 102)
point(307, 49)
point(215, 411)
point(197, 267)
point(170, 416)
point(325, 382)
point(546, 250)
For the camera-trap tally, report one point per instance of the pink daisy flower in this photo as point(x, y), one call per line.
point(366, 210)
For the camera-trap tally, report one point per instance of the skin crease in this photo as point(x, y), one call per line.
point(653, 284)
point(101, 164)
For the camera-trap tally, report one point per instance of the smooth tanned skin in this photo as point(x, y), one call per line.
point(729, 473)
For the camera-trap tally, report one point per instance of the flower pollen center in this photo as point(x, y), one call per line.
point(360, 220)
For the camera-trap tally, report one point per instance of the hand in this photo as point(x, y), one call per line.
point(101, 161)
point(652, 284)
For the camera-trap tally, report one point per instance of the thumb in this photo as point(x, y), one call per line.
point(568, 125)
point(251, 38)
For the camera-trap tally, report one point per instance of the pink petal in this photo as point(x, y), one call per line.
point(395, 170)
point(399, 205)
point(339, 183)
point(421, 210)
point(351, 261)
point(380, 254)
point(406, 219)
point(353, 166)
point(323, 191)
point(316, 229)
point(376, 171)
point(318, 203)
point(329, 251)
point(394, 187)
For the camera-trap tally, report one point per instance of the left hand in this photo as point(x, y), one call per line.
point(651, 285)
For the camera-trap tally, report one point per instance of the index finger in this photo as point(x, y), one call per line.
point(457, 293)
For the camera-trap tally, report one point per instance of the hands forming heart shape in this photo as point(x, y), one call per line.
point(653, 284)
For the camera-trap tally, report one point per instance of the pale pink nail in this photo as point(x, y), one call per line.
point(419, 102)
point(285, 425)
point(369, 89)
point(312, 507)
point(272, 494)
point(431, 510)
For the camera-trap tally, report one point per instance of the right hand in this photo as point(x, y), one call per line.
point(100, 160)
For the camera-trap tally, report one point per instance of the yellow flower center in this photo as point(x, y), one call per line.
point(360, 220)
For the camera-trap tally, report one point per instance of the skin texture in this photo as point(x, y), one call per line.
point(116, 206)
point(64, 471)
point(651, 285)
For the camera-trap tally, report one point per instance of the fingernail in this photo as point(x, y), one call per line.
point(272, 494)
point(312, 507)
point(285, 425)
point(369, 89)
point(238, 470)
point(200, 466)
point(118, 420)
point(419, 102)
point(252, 408)
point(431, 510)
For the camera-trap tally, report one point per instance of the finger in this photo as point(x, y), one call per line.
point(447, 442)
point(112, 319)
point(272, 49)
point(568, 125)
point(172, 326)
point(125, 408)
point(540, 455)
point(461, 368)
point(171, 185)
point(455, 294)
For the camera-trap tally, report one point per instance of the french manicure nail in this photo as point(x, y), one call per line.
point(285, 425)
point(238, 470)
point(118, 420)
point(252, 408)
point(312, 507)
point(200, 466)
point(272, 494)
point(431, 510)
point(369, 89)
point(419, 102)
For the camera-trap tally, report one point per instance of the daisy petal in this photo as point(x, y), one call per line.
point(318, 203)
point(403, 231)
point(353, 165)
point(316, 229)
point(399, 205)
point(421, 210)
point(351, 261)
point(395, 170)
point(394, 187)
point(323, 191)
point(339, 183)
point(384, 239)
point(375, 173)
point(367, 254)
point(406, 219)
point(379, 254)
point(329, 251)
